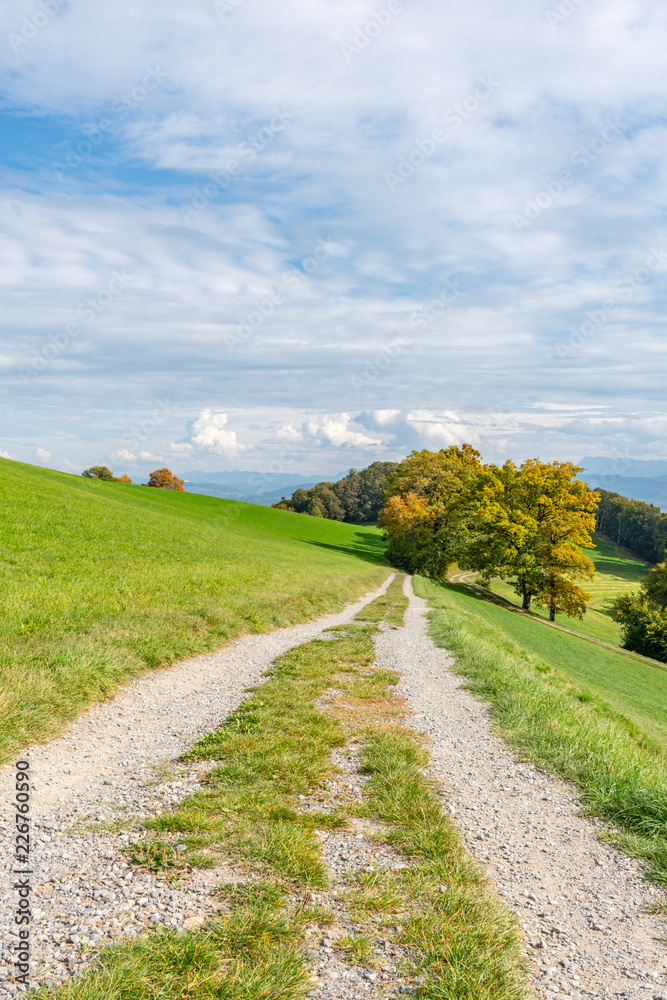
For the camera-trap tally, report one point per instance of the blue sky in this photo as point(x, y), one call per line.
point(305, 234)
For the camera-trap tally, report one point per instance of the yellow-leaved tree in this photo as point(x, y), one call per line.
point(531, 525)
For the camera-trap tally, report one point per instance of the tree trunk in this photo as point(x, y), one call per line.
point(552, 614)
point(526, 598)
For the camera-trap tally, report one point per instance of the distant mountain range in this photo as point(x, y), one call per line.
point(634, 478)
point(263, 488)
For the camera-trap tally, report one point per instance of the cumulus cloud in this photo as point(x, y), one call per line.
point(42, 454)
point(288, 432)
point(335, 430)
point(209, 434)
point(123, 455)
point(4, 454)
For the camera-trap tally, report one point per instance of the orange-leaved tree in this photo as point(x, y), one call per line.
point(426, 514)
point(164, 479)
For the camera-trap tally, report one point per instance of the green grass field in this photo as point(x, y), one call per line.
point(632, 686)
point(617, 572)
point(101, 581)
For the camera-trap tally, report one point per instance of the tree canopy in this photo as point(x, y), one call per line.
point(643, 616)
point(527, 524)
point(164, 479)
point(356, 498)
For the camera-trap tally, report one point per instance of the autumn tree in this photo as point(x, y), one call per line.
point(428, 508)
point(531, 524)
point(164, 479)
point(123, 479)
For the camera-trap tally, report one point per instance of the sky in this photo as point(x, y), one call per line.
point(304, 235)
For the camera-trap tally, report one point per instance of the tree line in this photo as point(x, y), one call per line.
point(640, 527)
point(161, 478)
point(356, 498)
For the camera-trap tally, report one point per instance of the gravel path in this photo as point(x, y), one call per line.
point(116, 765)
point(580, 902)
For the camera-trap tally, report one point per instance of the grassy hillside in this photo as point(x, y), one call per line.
point(616, 573)
point(632, 686)
point(595, 716)
point(100, 581)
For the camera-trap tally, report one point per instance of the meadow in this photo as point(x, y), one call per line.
point(101, 581)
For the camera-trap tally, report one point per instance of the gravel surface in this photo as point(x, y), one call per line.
point(580, 902)
point(116, 765)
point(347, 852)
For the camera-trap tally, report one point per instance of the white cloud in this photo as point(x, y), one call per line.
point(336, 431)
point(42, 455)
point(123, 456)
point(208, 433)
point(147, 456)
point(4, 454)
point(288, 432)
point(71, 467)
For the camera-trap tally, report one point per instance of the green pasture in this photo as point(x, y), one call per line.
point(100, 581)
point(634, 687)
point(617, 572)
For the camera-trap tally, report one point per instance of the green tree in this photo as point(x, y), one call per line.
point(643, 616)
point(98, 472)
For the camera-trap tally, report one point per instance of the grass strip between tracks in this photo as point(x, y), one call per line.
point(460, 941)
point(553, 723)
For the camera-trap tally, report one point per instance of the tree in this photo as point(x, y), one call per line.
point(655, 585)
point(428, 509)
point(408, 523)
point(531, 524)
point(164, 479)
point(643, 616)
point(356, 498)
point(123, 479)
point(98, 472)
